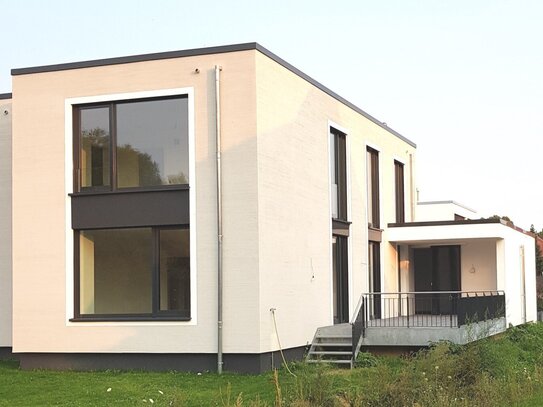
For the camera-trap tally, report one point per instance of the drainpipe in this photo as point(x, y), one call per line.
point(219, 218)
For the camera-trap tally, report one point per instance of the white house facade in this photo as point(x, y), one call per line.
point(162, 211)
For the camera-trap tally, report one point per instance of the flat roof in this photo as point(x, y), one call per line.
point(447, 222)
point(481, 221)
point(205, 51)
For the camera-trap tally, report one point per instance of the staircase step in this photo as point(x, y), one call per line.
point(332, 344)
point(335, 336)
point(338, 361)
point(331, 353)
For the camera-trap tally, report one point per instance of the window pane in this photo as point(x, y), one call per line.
point(152, 143)
point(116, 271)
point(95, 140)
point(333, 176)
point(174, 270)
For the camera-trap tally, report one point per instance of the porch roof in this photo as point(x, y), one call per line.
point(447, 231)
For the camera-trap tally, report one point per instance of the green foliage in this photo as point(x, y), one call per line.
point(366, 359)
point(497, 371)
point(498, 217)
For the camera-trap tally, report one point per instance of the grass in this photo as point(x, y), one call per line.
point(49, 388)
point(499, 371)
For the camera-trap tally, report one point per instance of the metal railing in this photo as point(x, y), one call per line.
point(447, 309)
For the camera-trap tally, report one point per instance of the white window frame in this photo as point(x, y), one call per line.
point(69, 104)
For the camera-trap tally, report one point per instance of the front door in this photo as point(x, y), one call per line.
point(436, 269)
point(340, 279)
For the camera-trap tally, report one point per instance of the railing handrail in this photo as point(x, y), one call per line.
point(499, 292)
point(357, 309)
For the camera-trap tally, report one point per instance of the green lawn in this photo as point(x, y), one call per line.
point(48, 388)
point(499, 371)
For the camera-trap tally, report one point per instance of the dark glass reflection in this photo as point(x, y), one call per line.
point(152, 143)
point(95, 145)
point(174, 270)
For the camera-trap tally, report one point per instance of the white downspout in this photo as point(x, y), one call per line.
point(219, 218)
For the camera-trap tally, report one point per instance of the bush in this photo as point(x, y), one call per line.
point(366, 359)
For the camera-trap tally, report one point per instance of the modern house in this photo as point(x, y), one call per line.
point(169, 211)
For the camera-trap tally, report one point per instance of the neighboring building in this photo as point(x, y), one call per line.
point(443, 210)
point(5, 224)
point(116, 224)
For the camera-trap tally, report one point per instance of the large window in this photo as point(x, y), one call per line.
point(338, 174)
point(132, 144)
point(136, 273)
point(373, 187)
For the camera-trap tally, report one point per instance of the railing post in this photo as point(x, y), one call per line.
point(451, 307)
point(407, 311)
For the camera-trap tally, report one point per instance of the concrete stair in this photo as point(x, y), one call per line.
point(332, 344)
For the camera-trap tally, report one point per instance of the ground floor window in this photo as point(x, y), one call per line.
point(136, 273)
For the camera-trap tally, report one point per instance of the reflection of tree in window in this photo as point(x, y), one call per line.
point(96, 153)
point(137, 169)
point(179, 178)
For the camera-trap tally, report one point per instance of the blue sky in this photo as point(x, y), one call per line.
point(463, 79)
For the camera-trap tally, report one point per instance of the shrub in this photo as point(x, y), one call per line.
point(366, 359)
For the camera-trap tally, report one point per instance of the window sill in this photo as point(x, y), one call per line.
point(345, 222)
point(129, 319)
point(162, 188)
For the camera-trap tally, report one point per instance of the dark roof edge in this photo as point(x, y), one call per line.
point(6, 96)
point(206, 51)
point(135, 58)
point(331, 92)
point(447, 222)
point(462, 222)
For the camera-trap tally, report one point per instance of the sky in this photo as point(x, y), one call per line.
point(462, 79)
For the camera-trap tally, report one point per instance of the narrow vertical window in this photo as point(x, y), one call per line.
point(174, 264)
point(374, 274)
point(95, 147)
point(338, 174)
point(399, 192)
point(372, 160)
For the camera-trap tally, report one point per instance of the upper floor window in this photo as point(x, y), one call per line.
point(399, 191)
point(372, 162)
point(132, 144)
point(338, 174)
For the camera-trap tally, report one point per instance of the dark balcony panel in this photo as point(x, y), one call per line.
point(130, 209)
point(473, 309)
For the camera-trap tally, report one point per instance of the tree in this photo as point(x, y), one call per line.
point(538, 253)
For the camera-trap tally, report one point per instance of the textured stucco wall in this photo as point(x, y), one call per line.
point(40, 245)
point(294, 226)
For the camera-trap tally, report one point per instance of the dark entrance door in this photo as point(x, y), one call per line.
point(436, 269)
point(340, 279)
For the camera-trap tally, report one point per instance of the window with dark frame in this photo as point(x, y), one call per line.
point(372, 158)
point(338, 174)
point(131, 144)
point(133, 274)
point(134, 267)
point(374, 274)
point(399, 191)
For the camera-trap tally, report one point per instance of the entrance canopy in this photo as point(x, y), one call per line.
point(446, 232)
